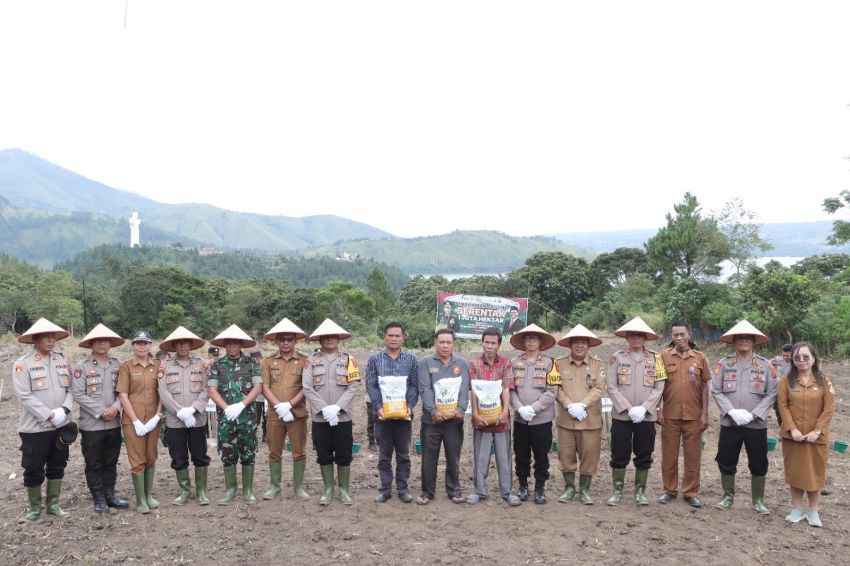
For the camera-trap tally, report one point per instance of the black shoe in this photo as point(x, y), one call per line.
point(99, 501)
point(113, 500)
point(373, 447)
point(539, 495)
point(523, 491)
point(405, 496)
point(666, 498)
point(693, 501)
point(383, 497)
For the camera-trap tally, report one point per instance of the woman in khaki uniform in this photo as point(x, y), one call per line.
point(137, 387)
point(806, 403)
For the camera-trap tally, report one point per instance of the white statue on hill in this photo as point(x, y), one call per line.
point(134, 230)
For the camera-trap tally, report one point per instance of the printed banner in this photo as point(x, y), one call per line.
point(469, 315)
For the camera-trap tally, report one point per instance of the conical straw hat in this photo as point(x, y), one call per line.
point(181, 333)
point(98, 332)
point(285, 326)
point(233, 332)
point(579, 331)
point(744, 328)
point(636, 325)
point(329, 328)
point(42, 326)
point(546, 339)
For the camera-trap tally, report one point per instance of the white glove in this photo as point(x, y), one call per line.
point(331, 411)
point(526, 412)
point(190, 422)
point(577, 411)
point(186, 412)
point(333, 421)
point(637, 414)
point(151, 424)
point(289, 417)
point(59, 417)
point(739, 416)
point(233, 411)
point(748, 417)
point(282, 409)
point(140, 428)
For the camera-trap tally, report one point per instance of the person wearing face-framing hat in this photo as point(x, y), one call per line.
point(42, 384)
point(636, 377)
point(138, 390)
point(744, 386)
point(331, 379)
point(536, 380)
point(94, 388)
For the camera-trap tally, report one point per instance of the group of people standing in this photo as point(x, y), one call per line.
point(646, 389)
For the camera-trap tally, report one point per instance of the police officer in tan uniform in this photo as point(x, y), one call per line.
point(183, 390)
point(579, 412)
point(139, 394)
point(42, 384)
point(284, 391)
point(331, 379)
point(536, 381)
point(94, 389)
point(744, 387)
point(635, 384)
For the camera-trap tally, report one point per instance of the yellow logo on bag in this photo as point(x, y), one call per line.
point(353, 370)
point(554, 375)
point(660, 370)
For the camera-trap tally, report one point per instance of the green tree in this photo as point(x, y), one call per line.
point(556, 281)
point(170, 317)
point(840, 228)
point(780, 297)
point(345, 304)
point(610, 269)
point(743, 237)
point(824, 266)
point(689, 246)
point(380, 291)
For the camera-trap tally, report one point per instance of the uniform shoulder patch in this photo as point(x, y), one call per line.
point(554, 375)
point(353, 370)
point(612, 359)
point(78, 373)
point(161, 373)
point(19, 368)
point(660, 369)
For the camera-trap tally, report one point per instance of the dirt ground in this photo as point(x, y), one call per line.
point(287, 530)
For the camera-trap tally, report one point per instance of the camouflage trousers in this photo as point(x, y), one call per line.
point(237, 440)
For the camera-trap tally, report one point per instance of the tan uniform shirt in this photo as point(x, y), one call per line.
point(534, 385)
point(686, 376)
point(93, 387)
point(581, 382)
point(740, 384)
point(283, 377)
point(141, 385)
point(806, 408)
point(42, 384)
point(632, 381)
point(183, 384)
point(326, 381)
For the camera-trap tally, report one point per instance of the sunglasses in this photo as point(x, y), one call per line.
point(803, 358)
point(286, 339)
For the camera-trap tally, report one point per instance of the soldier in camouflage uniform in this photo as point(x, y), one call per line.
point(234, 384)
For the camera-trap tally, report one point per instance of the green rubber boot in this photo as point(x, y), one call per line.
point(328, 480)
point(201, 485)
point(298, 480)
point(248, 484)
point(569, 487)
point(229, 485)
point(584, 489)
point(618, 478)
point(139, 489)
point(54, 490)
point(758, 495)
point(185, 487)
point(640, 487)
point(274, 479)
point(728, 483)
point(344, 477)
point(34, 497)
point(150, 473)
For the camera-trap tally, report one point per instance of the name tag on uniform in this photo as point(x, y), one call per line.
point(210, 406)
point(607, 405)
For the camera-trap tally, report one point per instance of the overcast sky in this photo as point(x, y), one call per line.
point(425, 117)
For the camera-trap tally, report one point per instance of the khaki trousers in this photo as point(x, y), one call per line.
point(673, 433)
point(586, 444)
point(279, 430)
point(142, 451)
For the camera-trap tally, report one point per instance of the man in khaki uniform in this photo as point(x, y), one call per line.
point(183, 390)
point(579, 412)
point(42, 384)
point(283, 389)
point(331, 379)
point(684, 415)
point(744, 388)
point(94, 389)
point(635, 384)
point(536, 381)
